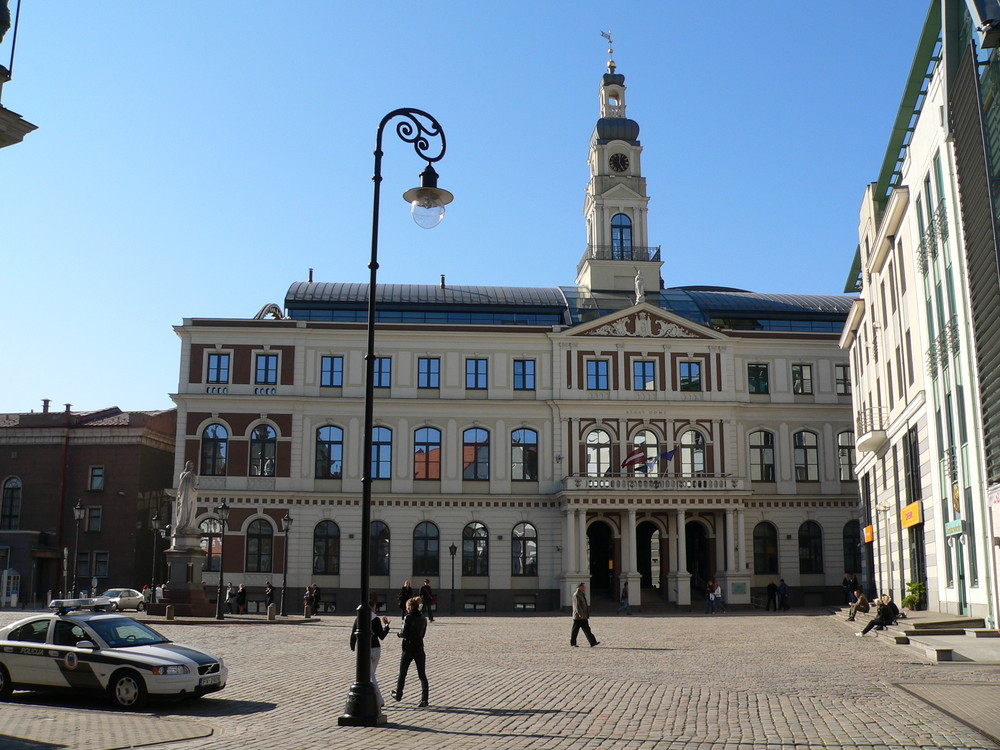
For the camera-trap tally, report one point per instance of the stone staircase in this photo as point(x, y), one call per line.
point(938, 636)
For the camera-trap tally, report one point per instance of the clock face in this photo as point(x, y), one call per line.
point(618, 162)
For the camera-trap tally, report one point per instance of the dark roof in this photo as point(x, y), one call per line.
point(426, 294)
point(617, 129)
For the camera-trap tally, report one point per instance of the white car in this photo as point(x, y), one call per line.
point(79, 646)
point(125, 599)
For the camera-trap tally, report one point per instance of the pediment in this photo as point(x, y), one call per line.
point(644, 321)
point(622, 192)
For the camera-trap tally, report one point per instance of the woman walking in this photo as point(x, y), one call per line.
point(414, 628)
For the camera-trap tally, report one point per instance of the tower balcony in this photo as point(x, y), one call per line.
point(630, 253)
point(870, 429)
point(709, 484)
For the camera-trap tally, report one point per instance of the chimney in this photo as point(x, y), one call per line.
point(45, 405)
point(442, 281)
point(68, 409)
point(310, 276)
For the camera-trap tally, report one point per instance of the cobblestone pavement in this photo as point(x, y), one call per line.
point(741, 681)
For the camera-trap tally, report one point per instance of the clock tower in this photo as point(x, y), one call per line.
point(615, 207)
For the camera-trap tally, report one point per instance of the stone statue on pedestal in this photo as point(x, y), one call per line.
point(186, 507)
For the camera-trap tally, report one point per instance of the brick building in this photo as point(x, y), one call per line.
point(115, 464)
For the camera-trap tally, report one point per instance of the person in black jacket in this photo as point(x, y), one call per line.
point(427, 599)
point(380, 629)
point(414, 628)
point(885, 614)
point(405, 593)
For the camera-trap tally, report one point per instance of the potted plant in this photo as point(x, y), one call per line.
point(916, 592)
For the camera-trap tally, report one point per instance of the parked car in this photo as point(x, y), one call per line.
point(78, 646)
point(125, 599)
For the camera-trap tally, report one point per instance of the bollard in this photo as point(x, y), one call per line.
point(308, 612)
point(272, 612)
point(170, 611)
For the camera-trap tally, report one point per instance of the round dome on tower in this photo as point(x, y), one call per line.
point(617, 129)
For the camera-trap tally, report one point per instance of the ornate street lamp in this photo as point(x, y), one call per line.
point(427, 204)
point(452, 549)
point(286, 524)
point(78, 514)
point(223, 513)
point(155, 527)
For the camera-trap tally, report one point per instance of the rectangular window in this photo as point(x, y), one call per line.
point(93, 522)
point(331, 372)
point(82, 566)
point(643, 375)
point(524, 374)
point(96, 481)
point(383, 372)
point(843, 380)
point(475, 374)
point(690, 376)
point(428, 372)
point(757, 379)
point(597, 375)
point(101, 564)
point(218, 368)
point(267, 369)
point(802, 379)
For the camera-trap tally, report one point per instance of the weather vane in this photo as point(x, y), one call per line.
point(611, 51)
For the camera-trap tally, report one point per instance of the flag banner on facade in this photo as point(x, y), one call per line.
point(668, 455)
point(637, 456)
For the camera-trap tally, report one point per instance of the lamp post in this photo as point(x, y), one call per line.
point(452, 549)
point(155, 523)
point(223, 511)
point(78, 513)
point(286, 524)
point(427, 208)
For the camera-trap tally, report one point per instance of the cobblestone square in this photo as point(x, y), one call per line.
point(740, 680)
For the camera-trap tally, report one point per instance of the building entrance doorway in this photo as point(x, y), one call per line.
point(698, 557)
point(918, 558)
point(649, 555)
point(600, 543)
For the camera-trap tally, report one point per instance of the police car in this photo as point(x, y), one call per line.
point(80, 646)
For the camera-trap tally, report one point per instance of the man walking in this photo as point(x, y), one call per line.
point(581, 616)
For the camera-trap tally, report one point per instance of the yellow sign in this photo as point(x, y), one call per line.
point(869, 534)
point(910, 515)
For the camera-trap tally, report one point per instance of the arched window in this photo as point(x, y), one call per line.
point(598, 453)
point(214, 448)
point(475, 454)
point(646, 441)
point(379, 550)
point(475, 550)
point(329, 452)
point(260, 545)
point(524, 455)
point(263, 451)
point(852, 547)
point(381, 453)
point(10, 514)
point(692, 453)
point(761, 456)
point(427, 455)
point(621, 237)
point(806, 457)
point(426, 545)
point(211, 543)
point(524, 550)
point(326, 548)
point(845, 457)
point(810, 548)
point(765, 549)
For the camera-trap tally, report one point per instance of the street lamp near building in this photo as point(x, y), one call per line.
point(223, 512)
point(78, 514)
point(286, 524)
point(427, 204)
point(155, 527)
point(452, 549)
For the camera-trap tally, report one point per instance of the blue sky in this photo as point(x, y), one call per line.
point(195, 159)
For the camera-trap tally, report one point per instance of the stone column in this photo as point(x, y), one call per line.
point(569, 543)
point(730, 542)
point(741, 541)
point(683, 576)
point(582, 566)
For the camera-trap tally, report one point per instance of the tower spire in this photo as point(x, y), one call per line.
point(611, 51)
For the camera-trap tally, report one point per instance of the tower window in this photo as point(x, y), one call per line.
point(621, 237)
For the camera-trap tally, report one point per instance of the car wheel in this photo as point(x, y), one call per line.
point(140, 607)
point(5, 687)
point(114, 606)
point(127, 690)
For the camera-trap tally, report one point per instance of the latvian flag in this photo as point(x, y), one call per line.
point(637, 456)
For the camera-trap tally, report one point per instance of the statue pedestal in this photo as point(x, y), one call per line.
point(184, 590)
